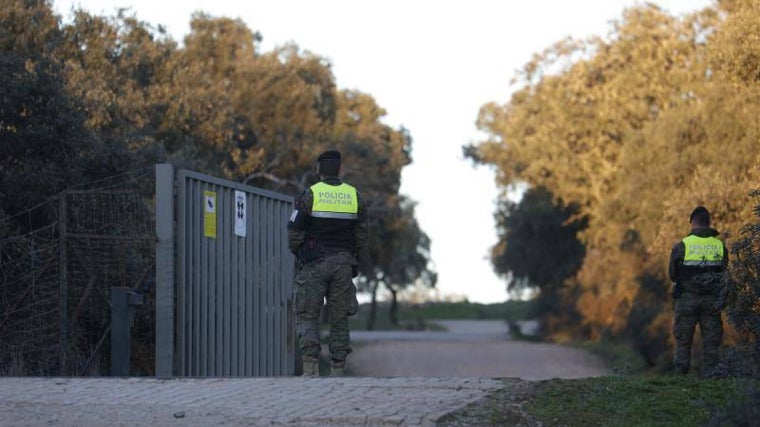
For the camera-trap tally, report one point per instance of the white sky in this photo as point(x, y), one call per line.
point(431, 65)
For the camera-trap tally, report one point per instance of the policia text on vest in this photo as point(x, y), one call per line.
point(701, 254)
point(331, 201)
point(703, 251)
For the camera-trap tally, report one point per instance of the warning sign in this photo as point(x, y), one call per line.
point(209, 214)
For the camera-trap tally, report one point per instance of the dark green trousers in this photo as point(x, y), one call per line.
point(692, 309)
point(329, 280)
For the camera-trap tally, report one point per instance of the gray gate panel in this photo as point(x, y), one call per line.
point(193, 285)
point(286, 275)
point(233, 294)
point(267, 321)
point(213, 345)
point(235, 286)
point(250, 315)
point(202, 334)
point(226, 319)
point(278, 291)
point(256, 290)
point(261, 294)
point(182, 294)
point(276, 300)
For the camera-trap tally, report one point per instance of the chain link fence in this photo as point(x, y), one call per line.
point(55, 280)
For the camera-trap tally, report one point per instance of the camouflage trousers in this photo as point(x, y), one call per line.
point(691, 309)
point(330, 279)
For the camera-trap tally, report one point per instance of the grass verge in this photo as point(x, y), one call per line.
point(639, 400)
point(621, 358)
point(626, 401)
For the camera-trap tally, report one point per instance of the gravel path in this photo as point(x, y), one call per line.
point(467, 349)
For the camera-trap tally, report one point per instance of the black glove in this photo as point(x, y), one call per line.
point(677, 289)
point(353, 303)
point(355, 266)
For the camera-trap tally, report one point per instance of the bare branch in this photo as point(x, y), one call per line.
point(271, 178)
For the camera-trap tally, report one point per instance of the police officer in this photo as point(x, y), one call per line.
point(697, 266)
point(326, 231)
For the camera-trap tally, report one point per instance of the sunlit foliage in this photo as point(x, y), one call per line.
point(115, 88)
point(635, 129)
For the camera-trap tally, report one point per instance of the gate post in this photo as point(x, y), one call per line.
point(123, 301)
point(164, 270)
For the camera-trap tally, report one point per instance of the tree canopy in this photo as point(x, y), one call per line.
point(633, 130)
point(102, 94)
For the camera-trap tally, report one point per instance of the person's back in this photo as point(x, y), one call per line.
point(326, 231)
point(697, 267)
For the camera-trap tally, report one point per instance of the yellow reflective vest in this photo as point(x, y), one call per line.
point(703, 251)
point(334, 201)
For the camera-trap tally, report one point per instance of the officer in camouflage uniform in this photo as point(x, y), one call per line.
point(697, 266)
point(326, 231)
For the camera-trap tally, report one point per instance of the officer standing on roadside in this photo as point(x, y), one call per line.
point(697, 266)
point(326, 231)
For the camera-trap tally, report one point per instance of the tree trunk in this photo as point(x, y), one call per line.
point(393, 314)
point(372, 308)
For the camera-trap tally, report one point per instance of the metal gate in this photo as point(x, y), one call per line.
point(223, 278)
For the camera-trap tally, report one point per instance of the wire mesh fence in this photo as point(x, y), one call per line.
point(55, 280)
point(29, 268)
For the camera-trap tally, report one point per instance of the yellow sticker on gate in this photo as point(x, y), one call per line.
point(209, 214)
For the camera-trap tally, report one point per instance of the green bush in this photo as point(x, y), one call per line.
point(742, 408)
point(743, 294)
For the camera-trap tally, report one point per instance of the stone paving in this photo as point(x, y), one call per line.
point(348, 401)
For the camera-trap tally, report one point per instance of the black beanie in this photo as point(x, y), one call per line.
point(329, 155)
point(329, 163)
point(702, 212)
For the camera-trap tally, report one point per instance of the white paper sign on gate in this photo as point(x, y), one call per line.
point(240, 213)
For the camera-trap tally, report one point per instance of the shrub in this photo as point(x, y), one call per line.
point(744, 298)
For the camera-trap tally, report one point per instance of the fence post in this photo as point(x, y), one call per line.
point(122, 315)
point(119, 333)
point(63, 291)
point(164, 270)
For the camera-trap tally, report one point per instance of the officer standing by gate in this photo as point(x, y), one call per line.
point(326, 231)
point(697, 266)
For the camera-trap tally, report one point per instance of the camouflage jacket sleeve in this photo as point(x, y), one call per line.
point(676, 260)
point(725, 257)
point(361, 232)
point(299, 220)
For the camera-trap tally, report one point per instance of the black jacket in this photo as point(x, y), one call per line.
point(326, 236)
point(677, 254)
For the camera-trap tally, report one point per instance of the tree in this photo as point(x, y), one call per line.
point(405, 260)
point(104, 95)
point(46, 147)
point(44, 142)
point(569, 132)
point(399, 251)
point(534, 233)
point(634, 130)
point(744, 293)
point(29, 28)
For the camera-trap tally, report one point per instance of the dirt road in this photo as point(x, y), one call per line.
point(466, 349)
